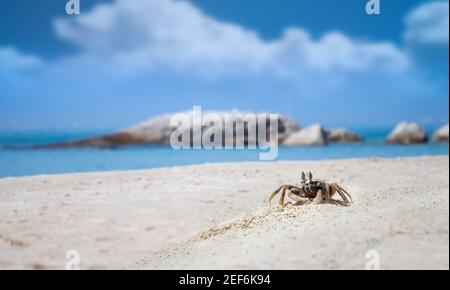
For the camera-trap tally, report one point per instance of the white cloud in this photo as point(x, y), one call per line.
point(429, 24)
point(151, 34)
point(12, 60)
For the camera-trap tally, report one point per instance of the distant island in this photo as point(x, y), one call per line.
point(157, 130)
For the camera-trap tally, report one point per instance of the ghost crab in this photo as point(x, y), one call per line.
point(311, 191)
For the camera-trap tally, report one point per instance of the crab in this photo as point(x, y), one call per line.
point(311, 191)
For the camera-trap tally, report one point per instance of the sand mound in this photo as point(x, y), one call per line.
point(252, 219)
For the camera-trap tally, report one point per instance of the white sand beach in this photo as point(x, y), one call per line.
point(216, 216)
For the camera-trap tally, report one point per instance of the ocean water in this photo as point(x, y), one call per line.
point(17, 159)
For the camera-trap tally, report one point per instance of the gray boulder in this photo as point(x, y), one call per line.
point(407, 133)
point(340, 135)
point(441, 134)
point(313, 135)
point(157, 130)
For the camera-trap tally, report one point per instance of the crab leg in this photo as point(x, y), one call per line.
point(275, 193)
point(345, 192)
point(341, 192)
point(297, 199)
point(318, 199)
point(283, 194)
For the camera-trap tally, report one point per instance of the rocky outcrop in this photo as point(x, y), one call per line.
point(106, 141)
point(313, 135)
point(340, 135)
point(441, 134)
point(158, 130)
point(407, 133)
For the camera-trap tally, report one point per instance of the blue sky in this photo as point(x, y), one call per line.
point(319, 61)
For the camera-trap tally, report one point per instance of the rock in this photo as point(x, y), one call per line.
point(157, 130)
point(407, 133)
point(441, 134)
point(313, 135)
point(106, 141)
point(342, 136)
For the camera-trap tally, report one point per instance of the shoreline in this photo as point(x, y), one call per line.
point(224, 162)
point(115, 219)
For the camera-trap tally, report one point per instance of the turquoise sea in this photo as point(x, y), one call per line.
point(17, 159)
